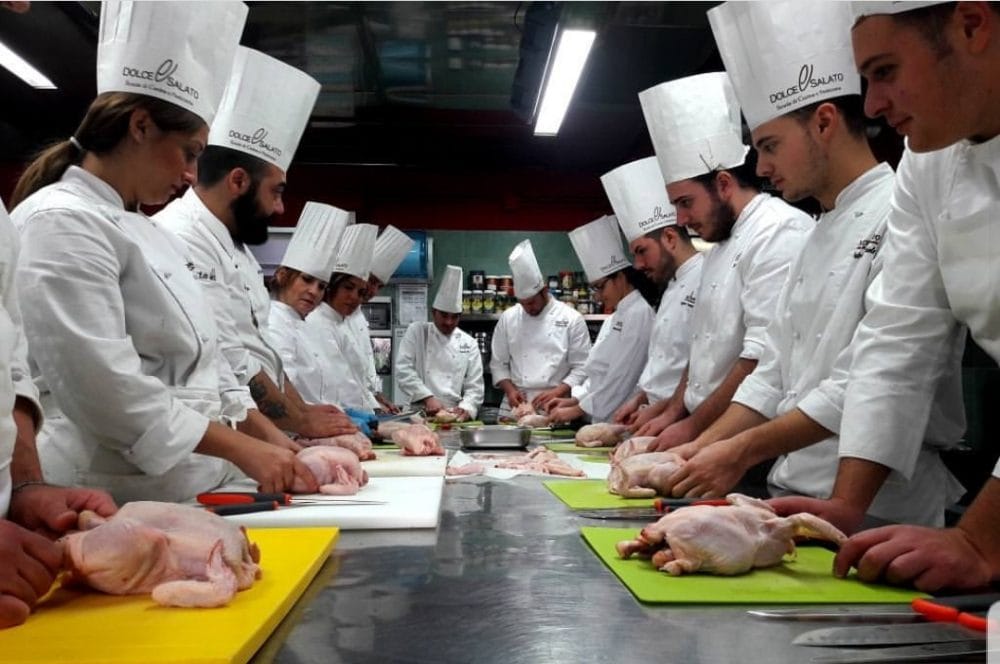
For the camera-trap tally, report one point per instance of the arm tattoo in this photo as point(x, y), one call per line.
point(271, 409)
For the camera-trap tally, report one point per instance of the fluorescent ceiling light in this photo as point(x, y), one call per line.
point(571, 55)
point(18, 66)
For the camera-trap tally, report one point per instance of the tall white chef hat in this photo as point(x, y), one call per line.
point(390, 250)
point(860, 9)
point(639, 198)
point(449, 295)
point(599, 247)
point(695, 125)
point(354, 254)
point(180, 52)
point(524, 268)
point(265, 108)
point(313, 247)
point(783, 55)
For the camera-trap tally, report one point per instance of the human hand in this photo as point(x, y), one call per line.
point(837, 511)
point(432, 405)
point(545, 397)
point(275, 469)
point(678, 433)
point(625, 412)
point(710, 472)
point(929, 559)
point(560, 402)
point(515, 397)
point(565, 414)
point(53, 510)
point(28, 565)
point(461, 413)
point(322, 422)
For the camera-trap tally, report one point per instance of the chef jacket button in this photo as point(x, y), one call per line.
point(166, 275)
point(204, 339)
point(799, 280)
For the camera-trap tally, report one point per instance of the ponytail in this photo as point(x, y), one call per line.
point(103, 127)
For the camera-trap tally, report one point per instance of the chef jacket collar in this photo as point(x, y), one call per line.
point(688, 265)
point(103, 190)
point(326, 311)
point(857, 188)
point(986, 153)
point(210, 221)
point(748, 210)
point(545, 310)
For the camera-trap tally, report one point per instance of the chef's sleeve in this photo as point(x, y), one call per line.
point(20, 373)
point(764, 276)
point(764, 388)
point(223, 298)
point(473, 389)
point(70, 271)
point(500, 352)
point(618, 361)
point(407, 375)
point(577, 351)
point(903, 344)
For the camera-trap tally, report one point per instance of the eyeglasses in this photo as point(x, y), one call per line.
point(599, 286)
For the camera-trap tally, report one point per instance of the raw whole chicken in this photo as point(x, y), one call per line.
point(726, 540)
point(355, 442)
point(418, 440)
point(631, 447)
point(600, 435)
point(522, 409)
point(644, 475)
point(444, 417)
point(386, 429)
point(183, 555)
point(337, 470)
point(533, 421)
point(539, 460)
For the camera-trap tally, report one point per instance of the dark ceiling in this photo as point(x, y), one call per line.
point(409, 84)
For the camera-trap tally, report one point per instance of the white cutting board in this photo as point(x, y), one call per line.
point(410, 502)
point(392, 463)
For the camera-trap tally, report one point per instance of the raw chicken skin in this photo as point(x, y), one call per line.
point(386, 429)
point(533, 421)
point(522, 409)
point(631, 447)
point(355, 442)
point(644, 475)
point(600, 435)
point(726, 540)
point(444, 417)
point(183, 555)
point(418, 440)
point(337, 470)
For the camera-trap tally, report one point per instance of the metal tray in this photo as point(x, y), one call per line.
point(494, 436)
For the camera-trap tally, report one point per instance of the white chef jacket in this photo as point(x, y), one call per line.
point(537, 353)
point(15, 377)
point(124, 344)
point(670, 341)
point(740, 282)
point(806, 356)
point(448, 368)
point(617, 359)
point(362, 339)
point(330, 332)
point(305, 362)
point(234, 284)
point(942, 272)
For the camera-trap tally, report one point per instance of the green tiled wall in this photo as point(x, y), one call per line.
point(488, 251)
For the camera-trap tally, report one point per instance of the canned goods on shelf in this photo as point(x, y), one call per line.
point(506, 284)
point(477, 302)
point(492, 282)
point(466, 301)
point(566, 281)
point(489, 301)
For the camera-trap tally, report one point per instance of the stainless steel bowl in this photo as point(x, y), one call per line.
point(495, 436)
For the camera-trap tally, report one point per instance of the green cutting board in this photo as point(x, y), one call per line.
point(591, 495)
point(806, 579)
point(573, 447)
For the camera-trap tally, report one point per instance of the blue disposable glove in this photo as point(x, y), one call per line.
point(363, 419)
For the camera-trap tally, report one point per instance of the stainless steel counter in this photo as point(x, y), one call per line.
point(506, 578)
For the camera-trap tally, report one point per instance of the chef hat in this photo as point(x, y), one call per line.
point(861, 9)
point(449, 295)
point(180, 52)
point(264, 109)
point(390, 250)
point(783, 55)
point(639, 198)
point(524, 268)
point(599, 248)
point(313, 247)
point(354, 254)
point(695, 125)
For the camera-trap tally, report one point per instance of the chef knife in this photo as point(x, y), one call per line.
point(840, 614)
point(660, 507)
point(887, 635)
point(945, 608)
point(925, 652)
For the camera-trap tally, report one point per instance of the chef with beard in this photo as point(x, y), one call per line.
point(696, 130)
point(241, 181)
point(540, 346)
point(663, 251)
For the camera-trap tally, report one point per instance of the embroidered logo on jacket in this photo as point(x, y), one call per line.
point(689, 300)
point(617, 327)
point(562, 323)
point(200, 274)
point(868, 246)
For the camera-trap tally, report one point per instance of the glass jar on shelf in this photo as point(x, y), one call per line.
point(466, 302)
point(489, 301)
point(477, 302)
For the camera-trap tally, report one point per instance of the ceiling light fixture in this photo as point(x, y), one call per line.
point(20, 67)
point(571, 55)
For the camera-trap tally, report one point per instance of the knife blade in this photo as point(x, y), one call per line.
point(925, 652)
point(840, 614)
point(659, 507)
point(886, 635)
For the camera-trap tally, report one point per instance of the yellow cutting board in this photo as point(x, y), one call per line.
point(87, 627)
